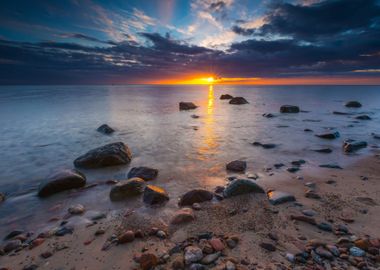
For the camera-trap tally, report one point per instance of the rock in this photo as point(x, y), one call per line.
point(60, 181)
point(178, 263)
point(293, 169)
point(330, 166)
point(230, 265)
point(278, 197)
point(36, 242)
point(305, 219)
point(12, 245)
point(362, 244)
point(183, 106)
point(351, 145)
point(324, 253)
point(148, 261)
point(375, 136)
point(236, 166)
point(193, 254)
point(196, 206)
point(99, 231)
point(238, 101)
point(216, 244)
point(226, 96)
point(311, 194)
point(197, 266)
point(329, 136)
point(127, 188)
point(357, 252)
point(13, 234)
point(289, 109)
point(64, 230)
point(366, 200)
point(46, 254)
point(219, 189)
point(363, 117)
point(324, 226)
point(2, 197)
point(208, 259)
point(126, 237)
point(264, 145)
point(107, 155)
point(155, 195)
point(195, 196)
point(76, 209)
point(105, 129)
point(231, 243)
point(267, 246)
point(353, 104)
point(308, 130)
point(268, 115)
point(298, 162)
point(290, 257)
point(194, 116)
point(341, 113)
point(161, 234)
point(309, 212)
point(323, 150)
point(242, 186)
point(334, 250)
point(144, 173)
point(279, 165)
point(183, 215)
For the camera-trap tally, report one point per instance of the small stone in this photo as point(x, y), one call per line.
point(187, 106)
point(325, 226)
point(126, 237)
point(195, 196)
point(293, 169)
point(289, 109)
point(178, 263)
point(100, 232)
point(306, 219)
point(279, 197)
point(36, 242)
point(321, 251)
point(329, 136)
point(148, 261)
point(12, 245)
point(231, 243)
point(309, 212)
point(353, 104)
point(105, 129)
point(76, 209)
point(208, 259)
point(238, 101)
point(161, 234)
point(236, 166)
point(183, 215)
point(230, 265)
point(193, 254)
point(226, 96)
point(242, 186)
point(196, 206)
point(312, 195)
point(145, 173)
point(127, 188)
point(216, 244)
point(46, 254)
point(155, 195)
point(357, 252)
point(290, 257)
point(268, 246)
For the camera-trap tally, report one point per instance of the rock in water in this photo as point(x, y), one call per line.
point(183, 215)
point(363, 117)
point(264, 145)
point(155, 195)
point(330, 166)
point(330, 136)
point(195, 196)
point(323, 150)
point(2, 197)
point(236, 166)
point(145, 173)
point(60, 181)
point(341, 113)
point(278, 197)
point(107, 155)
point(105, 129)
point(127, 188)
point(242, 186)
point(353, 104)
point(226, 96)
point(238, 101)
point(289, 109)
point(351, 146)
point(184, 106)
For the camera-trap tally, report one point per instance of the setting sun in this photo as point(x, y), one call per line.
point(210, 79)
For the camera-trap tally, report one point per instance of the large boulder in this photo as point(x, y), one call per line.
point(107, 155)
point(195, 196)
point(352, 145)
point(155, 195)
point(238, 101)
point(353, 104)
point(330, 136)
point(289, 109)
point(183, 106)
point(60, 181)
point(242, 186)
point(236, 166)
point(226, 96)
point(145, 173)
point(127, 188)
point(105, 129)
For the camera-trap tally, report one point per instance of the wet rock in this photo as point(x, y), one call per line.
point(309, 212)
point(308, 130)
point(63, 231)
point(298, 162)
point(363, 117)
point(193, 254)
point(305, 219)
point(2, 197)
point(238, 101)
point(127, 188)
point(279, 165)
point(183, 215)
point(12, 245)
point(323, 150)
point(97, 216)
point(144, 173)
point(105, 129)
point(107, 155)
point(324, 253)
point(350, 146)
point(195, 196)
point(155, 195)
point(208, 259)
point(293, 169)
point(219, 189)
point(278, 197)
point(183, 106)
point(341, 113)
point(99, 231)
point(268, 115)
point(290, 257)
point(226, 96)
point(242, 186)
point(197, 266)
point(357, 252)
point(236, 166)
point(13, 234)
point(330, 166)
point(178, 262)
point(324, 226)
point(264, 145)
point(289, 109)
point(126, 237)
point(330, 136)
point(267, 246)
point(194, 116)
point(148, 261)
point(334, 250)
point(60, 181)
point(375, 136)
point(76, 209)
point(353, 104)
point(311, 194)
point(36, 242)
point(161, 234)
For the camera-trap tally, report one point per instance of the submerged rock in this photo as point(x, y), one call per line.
point(353, 104)
point(264, 145)
point(2, 197)
point(144, 173)
point(183, 106)
point(330, 136)
point(341, 113)
point(226, 96)
point(375, 136)
point(323, 150)
point(195, 196)
point(127, 188)
point(107, 155)
point(183, 215)
point(242, 186)
point(289, 109)
point(278, 197)
point(268, 115)
point(238, 101)
point(105, 129)
point(330, 166)
point(155, 195)
point(60, 181)
point(363, 117)
point(236, 166)
point(351, 146)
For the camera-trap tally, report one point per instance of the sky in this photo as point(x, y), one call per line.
point(182, 41)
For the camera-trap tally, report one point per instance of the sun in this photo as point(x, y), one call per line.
point(210, 79)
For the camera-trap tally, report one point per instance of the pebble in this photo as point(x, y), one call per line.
point(196, 206)
point(216, 244)
point(325, 226)
point(46, 254)
point(12, 245)
point(193, 254)
point(309, 212)
point(312, 195)
point(230, 265)
point(268, 246)
point(357, 252)
point(126, 237)
point(231, 243)
point(76, 209)
point(161, 234)
point(148, 261)
point(290, 257)
point(208, 259)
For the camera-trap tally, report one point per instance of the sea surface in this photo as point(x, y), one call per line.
point(44, 128)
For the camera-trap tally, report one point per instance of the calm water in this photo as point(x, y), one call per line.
point(44, 128)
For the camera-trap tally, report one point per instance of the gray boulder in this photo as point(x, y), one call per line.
point(242, 186)
point(60, 181)
point(127, 188)
point(107, 155)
